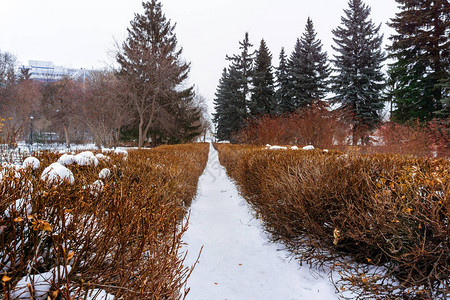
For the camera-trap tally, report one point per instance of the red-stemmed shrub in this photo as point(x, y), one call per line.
point(315, 125)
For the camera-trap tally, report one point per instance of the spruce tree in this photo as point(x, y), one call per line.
point(243, 68)
point(233, 94)
point(282, 96)
point(295, 76)
point(152, 69)
point(358, 82)
point(421, 52)
point(444, 113)
point(314, 69)
point(230, 105)
point(219, 118)
point(262, 99)
point(188, 115)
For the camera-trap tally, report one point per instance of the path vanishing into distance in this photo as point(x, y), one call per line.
point(237, 261)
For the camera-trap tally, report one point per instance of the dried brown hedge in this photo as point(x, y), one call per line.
point(125, 240)
point(388, 213)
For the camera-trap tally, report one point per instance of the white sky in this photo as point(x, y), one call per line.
point(80, 33)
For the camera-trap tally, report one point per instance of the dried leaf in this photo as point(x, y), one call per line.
point(337, 236)
point(70, 255)
point(46, 226)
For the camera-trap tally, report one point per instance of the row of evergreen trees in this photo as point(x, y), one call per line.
point(248, 88)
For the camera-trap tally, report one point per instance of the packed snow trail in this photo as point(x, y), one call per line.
point(237, 261)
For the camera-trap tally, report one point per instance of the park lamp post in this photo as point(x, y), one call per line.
point(31, 130)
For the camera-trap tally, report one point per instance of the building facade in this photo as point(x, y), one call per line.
point(46, 71)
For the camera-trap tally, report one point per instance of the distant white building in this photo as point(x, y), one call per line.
point(47, 71)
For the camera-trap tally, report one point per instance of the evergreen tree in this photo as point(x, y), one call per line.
point(283, 99)
point(230, 105)
point(314, 70)
point(444, 113)
point(295, 76)
point(421, 51)
point(219, 119)
point(152, 69)
point(188, 119)
point(233, 94)
point(262, 99)
point(243, 67)
point(358, 81)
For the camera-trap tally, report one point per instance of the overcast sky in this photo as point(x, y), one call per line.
point(80, 33)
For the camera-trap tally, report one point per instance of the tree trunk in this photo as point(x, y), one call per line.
point(141, 133)
point(150, 121)
point(116, 137)
point(66, 134)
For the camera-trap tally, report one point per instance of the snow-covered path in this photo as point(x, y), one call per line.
point(237, 261)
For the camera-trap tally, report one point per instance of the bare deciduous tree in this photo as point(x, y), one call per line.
point(7, 69)
point(205, 120)
point(105, 110)
point(21, 107)
point(61, 101)
point(18, 100)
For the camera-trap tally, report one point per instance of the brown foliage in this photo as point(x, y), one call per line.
point(125, 239)
point(313, 126)
point(430, 139)
point(385, 212)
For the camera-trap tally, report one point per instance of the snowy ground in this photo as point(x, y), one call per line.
point(237, 261)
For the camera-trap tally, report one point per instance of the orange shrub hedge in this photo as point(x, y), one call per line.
point(388, 213)
point(124, 240)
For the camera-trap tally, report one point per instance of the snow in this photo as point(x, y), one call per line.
point(275, 147)
point(104, 173)
point(61, 148)
point(97, 187)
point(269, 147)
point(101, 156)
point(11, 166)
point(18, 206)
point(309, 147)
point(86, 158)
point(31, 162)
point(237, 261)
point(56, 173)
point(123, 152)
point(7, 169)
point(99, 294)
point(40, 282)
point(66, 159)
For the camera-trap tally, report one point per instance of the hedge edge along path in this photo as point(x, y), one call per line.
point(123, 238)
point(381, 220)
